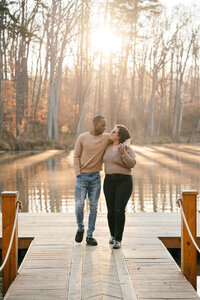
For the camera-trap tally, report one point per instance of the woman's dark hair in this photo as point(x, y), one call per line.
point(123, 133)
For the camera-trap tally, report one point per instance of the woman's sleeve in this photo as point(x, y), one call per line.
point(129, 158)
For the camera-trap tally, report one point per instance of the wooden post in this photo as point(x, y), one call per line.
point(188, 250)
point(9, 204)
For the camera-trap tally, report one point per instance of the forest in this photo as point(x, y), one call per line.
point(62, 62)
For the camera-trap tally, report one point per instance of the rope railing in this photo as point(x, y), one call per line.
point(12, 236)
point(179, 203)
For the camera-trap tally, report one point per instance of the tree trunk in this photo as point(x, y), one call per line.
point(181, 117)
point(176, 112)
point(1, 64)
point(82, 119)
point(162, 100)
point(52, 74)
point(51, 96)
point(58, 87)
point(170, 109)
point(100, 90)
point(100, 94)
point(153, 100)
point(111, 97)
point(21, 82)
point(179, 82)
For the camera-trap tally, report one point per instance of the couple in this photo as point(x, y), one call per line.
point(91, 150)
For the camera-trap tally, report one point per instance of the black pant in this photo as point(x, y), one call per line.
point(117, 189)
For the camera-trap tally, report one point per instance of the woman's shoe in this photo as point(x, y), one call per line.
point(117, 245)
point(111, 240)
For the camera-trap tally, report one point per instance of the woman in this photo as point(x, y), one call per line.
point(118, 161)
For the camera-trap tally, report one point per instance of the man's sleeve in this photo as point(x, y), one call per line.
point(77, 156)
point(107, 137)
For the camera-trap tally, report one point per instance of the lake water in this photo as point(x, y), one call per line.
point(46, 180)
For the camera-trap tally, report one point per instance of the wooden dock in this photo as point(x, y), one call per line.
point(55, 267)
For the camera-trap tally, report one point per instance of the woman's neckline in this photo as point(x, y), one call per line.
point(114, 148)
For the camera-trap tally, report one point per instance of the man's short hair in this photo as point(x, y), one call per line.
point(98, 118)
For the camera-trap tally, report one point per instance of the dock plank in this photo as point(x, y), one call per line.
point(55, 267)
point(74, 291)
point(128, 290)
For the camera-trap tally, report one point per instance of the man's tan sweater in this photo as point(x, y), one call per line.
point(88, 152)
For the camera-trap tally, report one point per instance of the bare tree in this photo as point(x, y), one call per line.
point(2, 16)
point(181, 62)
point(62, 22)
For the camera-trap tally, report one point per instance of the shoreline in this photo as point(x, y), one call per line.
point(67, 143)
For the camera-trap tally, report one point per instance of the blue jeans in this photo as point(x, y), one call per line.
point(87, 183)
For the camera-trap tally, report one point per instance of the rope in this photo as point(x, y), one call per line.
point(12, 236)
point(186, 224)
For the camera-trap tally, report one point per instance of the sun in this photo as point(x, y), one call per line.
point(103, 40)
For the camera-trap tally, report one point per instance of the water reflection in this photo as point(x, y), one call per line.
point(162, 172)
point(46, 180)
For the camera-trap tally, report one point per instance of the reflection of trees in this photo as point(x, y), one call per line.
point(154, 187)
point(44, 194)
point(160, 180)
point(36, 184)
point(138, 194)
point(170, 196)
point(22, 186)
point(55, 193)
point(141, 195)
point(48, 186)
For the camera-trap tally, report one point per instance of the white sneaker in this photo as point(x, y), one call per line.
point(117, 245)
point(111, 240)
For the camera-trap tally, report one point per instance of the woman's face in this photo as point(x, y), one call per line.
point(114, 135)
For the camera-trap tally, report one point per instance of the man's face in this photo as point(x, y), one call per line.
point(100, 126)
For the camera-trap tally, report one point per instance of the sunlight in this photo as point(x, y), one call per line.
point(105, 41)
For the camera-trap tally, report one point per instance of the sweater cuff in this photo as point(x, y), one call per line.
point(78, 173)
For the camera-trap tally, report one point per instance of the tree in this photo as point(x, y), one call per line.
point(133, 13)
point(62, 20)
point(181, 62)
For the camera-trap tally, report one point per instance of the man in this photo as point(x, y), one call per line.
point(88, 161)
